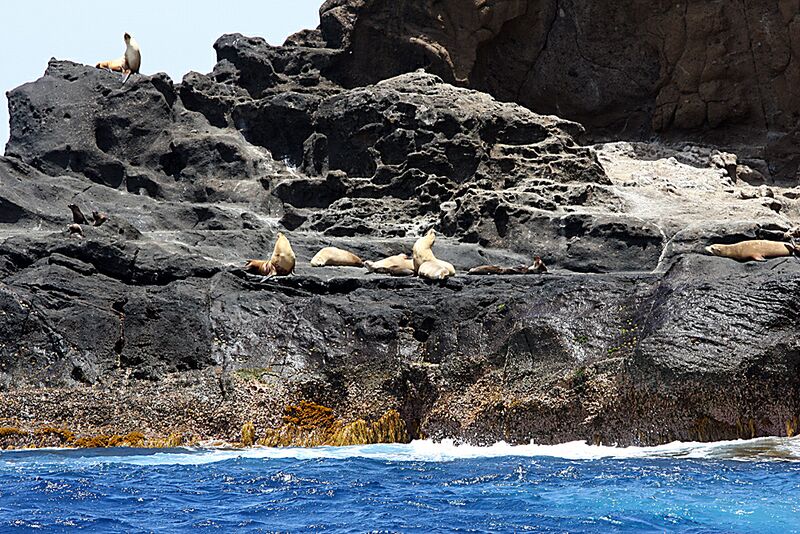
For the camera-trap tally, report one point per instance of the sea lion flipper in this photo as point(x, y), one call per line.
point(125, 78)
point(758, 257)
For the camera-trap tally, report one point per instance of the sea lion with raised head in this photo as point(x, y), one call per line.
point(755, 249)
point(335, 257)
point(280, 264)
point(129, 63)
point(538, 266)
point(77, 214)
point(397, 265)
point(99, 218)
point(421, 252)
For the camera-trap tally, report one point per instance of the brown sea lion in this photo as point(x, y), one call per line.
point(129, 63)
point(335, 257)
point(538, 266)
point(99, 218)
point(496, 269)
point(756, 249)
point(280, 264)
point(77, 214)
point(397, 265)
point(792, 233)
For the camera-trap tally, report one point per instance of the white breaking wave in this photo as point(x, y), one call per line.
point(760, 449)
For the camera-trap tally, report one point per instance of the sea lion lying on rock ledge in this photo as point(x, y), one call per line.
point(397, 265)
point(280, 264)
point(335, 257)
point(538, 267)
point(756, 249)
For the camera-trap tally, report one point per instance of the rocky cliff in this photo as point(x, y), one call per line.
point(716, 71)
point(148, 325)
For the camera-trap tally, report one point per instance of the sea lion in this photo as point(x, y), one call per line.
point(99, 218)
point(436, 270)
point(77, 214)
point(397, 265)
point(422, 254)
point(792, 233)
point(129, 63)
point(280, 264)
point(75, 229)
point(422, 249)
point(756, 249)
point(496, 269)
point(335, 257)
point(538, 266)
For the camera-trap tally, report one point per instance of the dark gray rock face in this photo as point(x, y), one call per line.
point(631, 338)
point(715, 72)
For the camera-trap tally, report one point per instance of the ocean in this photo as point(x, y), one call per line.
point(737, 486)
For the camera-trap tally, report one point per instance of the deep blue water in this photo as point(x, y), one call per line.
point(422, 487)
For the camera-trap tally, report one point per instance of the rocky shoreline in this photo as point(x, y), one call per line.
point(147, 331)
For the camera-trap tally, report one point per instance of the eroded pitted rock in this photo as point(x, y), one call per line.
point(708, 70)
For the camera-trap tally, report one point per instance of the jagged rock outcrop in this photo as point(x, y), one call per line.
point(724, 72)
point(148, 323)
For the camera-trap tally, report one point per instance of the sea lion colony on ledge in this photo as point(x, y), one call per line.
point(423, 262)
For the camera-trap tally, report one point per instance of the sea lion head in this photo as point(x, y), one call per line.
point(127, 37)
point(714, 250)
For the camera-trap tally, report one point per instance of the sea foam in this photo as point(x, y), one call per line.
point(759, 449)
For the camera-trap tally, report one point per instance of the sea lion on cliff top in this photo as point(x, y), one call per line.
point(397, 265)
point(280, 264)
point(756, 249)
point(77, 214)
point(129, 63)
point(335, 257)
